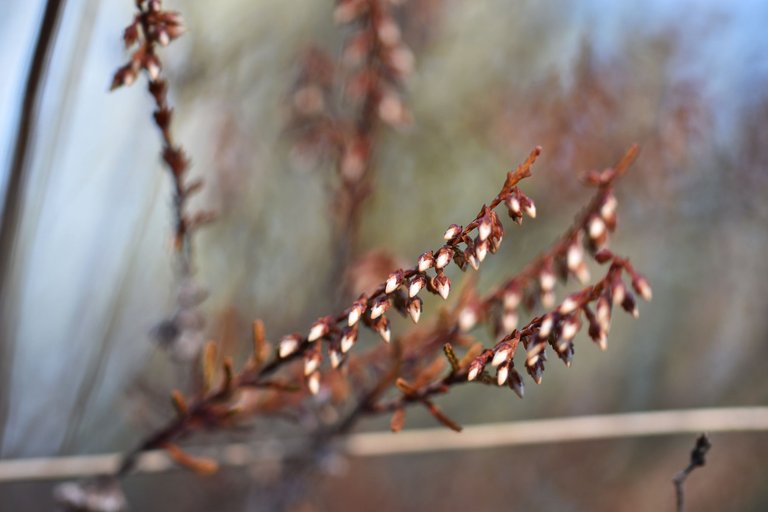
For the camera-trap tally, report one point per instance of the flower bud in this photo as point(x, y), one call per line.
point(393, 281)
point(313, 383)
point(502, 373)
point(288, 345)
point(416, 284)
point(348, 339)
point(641, 286)
point(319, 329)
point(485, 228)
point(452, 231)
point(426, 261)
point(414, 309)
point(379, 306)
point(443, 258)
point(467, 318)
point(356, 311)
point(442, 284)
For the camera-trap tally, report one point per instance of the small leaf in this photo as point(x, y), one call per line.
point(179, 403)
point(405, 387)
point(201, 465)
point(451, 355)
point(440, 416)
point(398, 420)
point(209, 365)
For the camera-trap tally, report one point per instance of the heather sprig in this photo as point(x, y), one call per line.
point(369, 79)
point(151, 28)
point(215, 409)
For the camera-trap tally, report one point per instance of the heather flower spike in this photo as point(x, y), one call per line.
point(555, 329)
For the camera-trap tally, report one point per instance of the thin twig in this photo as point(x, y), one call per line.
point(698, 458)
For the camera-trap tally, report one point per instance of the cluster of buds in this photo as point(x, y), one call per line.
point(400, 292)
point(567, 258)
point(151, 26)
point(558, 327)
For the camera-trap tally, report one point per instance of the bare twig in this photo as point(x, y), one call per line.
point(698, 458)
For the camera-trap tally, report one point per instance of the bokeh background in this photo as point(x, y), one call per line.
point(92, 272)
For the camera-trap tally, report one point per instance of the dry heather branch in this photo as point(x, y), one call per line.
point(339, 333)
point(375, 62)
point(411, 370)
point(153, 26)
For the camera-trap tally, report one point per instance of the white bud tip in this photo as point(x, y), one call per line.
point(414, 288)
point(377, 311)
point(484, 231)
point(509, 321)
point(546, 327)
point(313, 383)
point(310, 365)
point(532, 360)
point(596, 227)
point(444, 289)
point(645, 290)
point(473, 373)
point(335, 359)
point(346, 343)
point(353, 317)
point(415, 314)
point(531, 210)
point(502, 375)
point(473, 262)
point(511, 300)
point(451, 232)
point(385, 334)
point(316, 332)
point(602, 342)
point(569, 330)
point(499, 357)
point(287, 347)
point(619, 293)
point(467, 319)
point(443, 259)
point(548, 299)
point(574, 257)
point(481, 251)
point(392, 284)
point(547, 281)
point(609, 207)
point(569, 305)
point(425, 263)
point(582, 273)
point(514, 205)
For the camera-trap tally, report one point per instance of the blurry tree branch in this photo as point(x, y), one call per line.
point(474, 437)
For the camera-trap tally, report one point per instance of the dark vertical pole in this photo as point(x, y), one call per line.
point(9, 220)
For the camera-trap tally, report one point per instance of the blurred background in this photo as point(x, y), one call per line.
point(91, 274)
